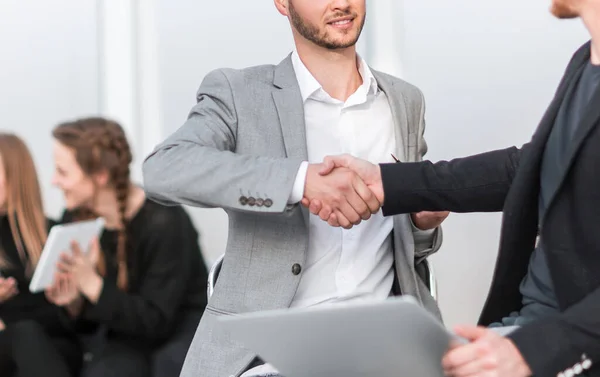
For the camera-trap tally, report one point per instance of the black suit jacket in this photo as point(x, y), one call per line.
point(509, 181)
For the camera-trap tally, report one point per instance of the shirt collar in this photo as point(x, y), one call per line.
point(309, 85)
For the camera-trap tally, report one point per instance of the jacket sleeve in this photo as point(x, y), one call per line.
point(197, 165)
point(477, 183)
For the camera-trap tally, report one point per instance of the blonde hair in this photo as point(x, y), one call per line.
point(24, 206)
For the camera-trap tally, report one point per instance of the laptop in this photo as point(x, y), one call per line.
point(391, 338)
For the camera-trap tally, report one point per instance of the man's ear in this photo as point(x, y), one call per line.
point(282, 7)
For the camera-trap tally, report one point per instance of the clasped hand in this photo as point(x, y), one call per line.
point(77, 277)
point(344, 190)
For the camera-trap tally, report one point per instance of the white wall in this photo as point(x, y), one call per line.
point(48, 73)
point(488, 71)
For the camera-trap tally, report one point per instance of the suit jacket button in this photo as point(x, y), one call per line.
point(260, 202)
point(243, 200)
point(268, 203)
point(586, 364)
point(296, 269)
point(251, 201)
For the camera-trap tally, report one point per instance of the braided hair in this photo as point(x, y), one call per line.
point(101, 145)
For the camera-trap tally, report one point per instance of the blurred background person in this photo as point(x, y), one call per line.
point(33, 339)
point(139, 293)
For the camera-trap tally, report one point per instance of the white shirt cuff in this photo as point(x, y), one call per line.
point(298, 190)
point(421, 232)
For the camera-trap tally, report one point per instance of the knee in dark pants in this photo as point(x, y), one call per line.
point(25, 330)
point(168, 361)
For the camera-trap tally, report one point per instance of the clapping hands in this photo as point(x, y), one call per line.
point(8, 289)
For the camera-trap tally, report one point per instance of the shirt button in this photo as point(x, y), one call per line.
point(296, 269)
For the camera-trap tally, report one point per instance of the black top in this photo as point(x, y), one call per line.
point(167, 276)
point(509, 181)
point(25, 305)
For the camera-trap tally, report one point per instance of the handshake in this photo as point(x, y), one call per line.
point(344, 190)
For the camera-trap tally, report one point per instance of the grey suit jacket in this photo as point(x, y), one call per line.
point(245, 138)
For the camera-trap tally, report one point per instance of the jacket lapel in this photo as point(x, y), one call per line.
point(530, 162)
point(290, 109)
point(590, 120)
point(397, 103)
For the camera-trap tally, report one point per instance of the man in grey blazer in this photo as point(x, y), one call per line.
point(253, 144)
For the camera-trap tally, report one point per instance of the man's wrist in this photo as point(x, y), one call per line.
point(298, 189)
point(380, 183)
point(523, 368)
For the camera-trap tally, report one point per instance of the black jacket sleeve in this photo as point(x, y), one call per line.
point(150, 312)
point(477, 183)
point(553, 345)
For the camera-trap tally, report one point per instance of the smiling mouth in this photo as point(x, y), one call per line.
point(341, 22)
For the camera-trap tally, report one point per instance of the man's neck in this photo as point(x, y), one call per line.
point(592, 23)
point(336, 71)
point(596, 50)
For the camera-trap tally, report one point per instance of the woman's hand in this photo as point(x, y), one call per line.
point(64, 293)
point(82, 268)
point(8, 289)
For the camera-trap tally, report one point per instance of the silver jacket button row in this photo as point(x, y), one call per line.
point(578, 368)
point(259, 202)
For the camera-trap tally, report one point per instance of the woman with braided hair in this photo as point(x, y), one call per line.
point(139, 292)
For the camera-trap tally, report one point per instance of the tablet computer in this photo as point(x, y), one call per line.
point(392, 338)
point(58, 242)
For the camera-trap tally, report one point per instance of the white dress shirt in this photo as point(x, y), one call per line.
point(356, 263)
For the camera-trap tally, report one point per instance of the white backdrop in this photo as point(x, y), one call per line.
point(487, 69)
point(48, 73)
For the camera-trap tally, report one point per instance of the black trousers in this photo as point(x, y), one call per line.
point(111, 356)
point(26, 350)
